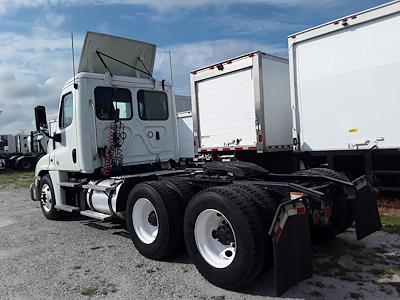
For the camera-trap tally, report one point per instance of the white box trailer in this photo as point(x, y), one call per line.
point(345, 79)
point(242, 104)
point(345, 90)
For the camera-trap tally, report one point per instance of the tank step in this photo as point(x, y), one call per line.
point(67, 208)
point(95, 215)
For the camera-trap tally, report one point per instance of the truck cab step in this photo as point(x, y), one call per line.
point(67, 208)
point(95, 215)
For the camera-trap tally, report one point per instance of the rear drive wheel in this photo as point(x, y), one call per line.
point(182, 187)
point(267, 206)
point(154, 219)
point(225, 236)
point(48, 199)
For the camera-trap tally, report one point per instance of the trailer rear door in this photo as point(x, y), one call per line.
point(233, 93)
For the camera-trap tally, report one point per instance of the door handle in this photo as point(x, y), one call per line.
point(74, 155)
point(157, 135)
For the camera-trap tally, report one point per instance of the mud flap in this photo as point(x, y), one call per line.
point(291, 241)
point(366, 212)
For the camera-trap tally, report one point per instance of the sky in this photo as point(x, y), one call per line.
point(35, 43)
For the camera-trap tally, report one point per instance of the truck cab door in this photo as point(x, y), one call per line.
point(157, 123)
point(65, 155)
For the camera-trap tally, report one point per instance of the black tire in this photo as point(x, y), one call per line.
point(169, 214)
point(182, 187)
point(51, 212)
point(247, 223)
point(342, 210)
point(267, 206)
point(323, 172)
point(25, 164)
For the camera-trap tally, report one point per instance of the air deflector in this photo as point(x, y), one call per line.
point(139, 54)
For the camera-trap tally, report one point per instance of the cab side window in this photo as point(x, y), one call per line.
point(113, 103)
point(66, 111)
point(152, 105)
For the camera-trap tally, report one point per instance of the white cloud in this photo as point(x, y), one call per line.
point(190, 56)
point(55, 20)
point(158, 4)
point(33, 69)
point(237, 24)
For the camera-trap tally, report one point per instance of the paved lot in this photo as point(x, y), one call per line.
point(81, 259)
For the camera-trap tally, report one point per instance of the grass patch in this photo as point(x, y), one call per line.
point(16, 179)
point(391, 224)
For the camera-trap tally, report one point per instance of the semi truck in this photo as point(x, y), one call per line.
point(22, 151)
point(332, 104)
point(115, 151)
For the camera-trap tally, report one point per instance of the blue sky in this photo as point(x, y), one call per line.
point(35, 57)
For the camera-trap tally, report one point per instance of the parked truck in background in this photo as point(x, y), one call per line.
point(22, 151)
point(115, 152)
point(341, 112)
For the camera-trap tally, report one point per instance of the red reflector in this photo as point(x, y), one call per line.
point(315, 216)
point(226, 149)
point(214, 149)
point(252, 148)
point(229, 62)
point(239, 148)
point(260, 138)
point(301, 210)
point(328, 212)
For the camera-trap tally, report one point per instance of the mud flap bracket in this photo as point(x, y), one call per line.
point(292, 248)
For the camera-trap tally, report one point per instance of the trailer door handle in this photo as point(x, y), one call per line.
point(157, 135)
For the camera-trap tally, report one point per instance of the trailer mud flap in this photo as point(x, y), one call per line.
point(366, 212)
point(291, 241)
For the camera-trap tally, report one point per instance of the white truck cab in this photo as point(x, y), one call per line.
point(100, 95)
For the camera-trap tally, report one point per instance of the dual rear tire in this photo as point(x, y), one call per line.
point(224, 228)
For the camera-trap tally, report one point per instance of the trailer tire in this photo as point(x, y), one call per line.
point(48, 199)
point(163, 209)
point(342, 211)
point(248, 249)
